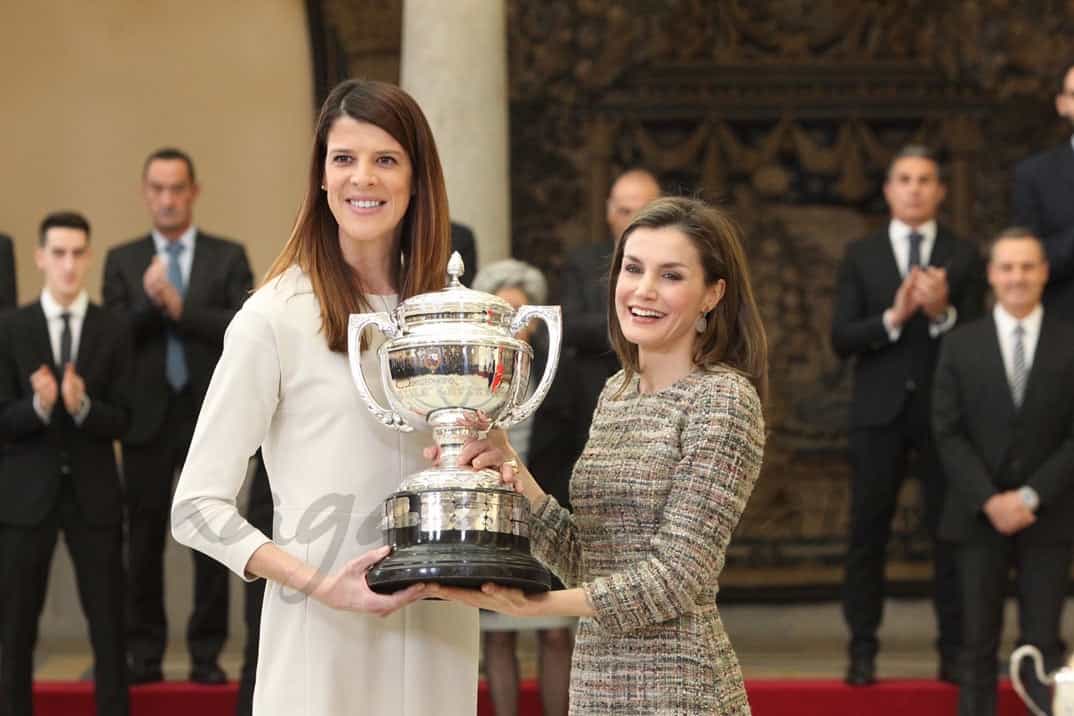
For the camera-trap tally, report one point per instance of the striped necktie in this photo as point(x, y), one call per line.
point(1018, 367)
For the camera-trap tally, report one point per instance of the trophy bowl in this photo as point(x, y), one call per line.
point(452, 364)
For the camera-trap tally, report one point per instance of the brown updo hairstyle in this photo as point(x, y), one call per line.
point(734, 335)
point(426, 230)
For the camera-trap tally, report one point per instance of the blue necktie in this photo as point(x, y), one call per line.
point(915, 250)
point(175, 358)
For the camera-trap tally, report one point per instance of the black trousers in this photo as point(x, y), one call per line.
point(1041, 575)
point(150, 471)
point(880, 458)
point(26, 555)
point(259, 513)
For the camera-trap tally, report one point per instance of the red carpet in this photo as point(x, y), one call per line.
point(768, 697)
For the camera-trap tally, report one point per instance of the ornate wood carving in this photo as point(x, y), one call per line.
point(787, 112)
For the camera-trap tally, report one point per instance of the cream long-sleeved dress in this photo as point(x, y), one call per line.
point(330, 466)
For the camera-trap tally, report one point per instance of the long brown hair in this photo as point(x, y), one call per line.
point(426, 230)
point(734, 335)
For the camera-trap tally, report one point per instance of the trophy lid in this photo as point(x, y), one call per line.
point(455, 303)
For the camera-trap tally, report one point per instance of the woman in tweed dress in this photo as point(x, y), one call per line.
point(673, 453)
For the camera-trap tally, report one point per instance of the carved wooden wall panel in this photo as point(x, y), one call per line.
point(786, 112)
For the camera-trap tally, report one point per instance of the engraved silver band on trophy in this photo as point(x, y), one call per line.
point(450, 361)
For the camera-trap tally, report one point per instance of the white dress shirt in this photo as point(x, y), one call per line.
point(1005, 325)
point(186, 256)
point(54, 319)
point(899, 235)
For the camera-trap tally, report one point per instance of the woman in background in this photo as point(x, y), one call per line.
point(673, 454)
point(519, 284)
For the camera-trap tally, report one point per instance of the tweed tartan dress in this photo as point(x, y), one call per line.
point(656, 494)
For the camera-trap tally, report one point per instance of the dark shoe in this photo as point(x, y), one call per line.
point(948, 671)
point(144, 675)
point(861, 671)
point(208, 674)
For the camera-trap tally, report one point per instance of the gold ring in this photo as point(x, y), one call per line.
point(513, 463)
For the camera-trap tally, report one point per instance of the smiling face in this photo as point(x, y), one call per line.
point(367, 179)
point(1017, 272)
point(660, 291)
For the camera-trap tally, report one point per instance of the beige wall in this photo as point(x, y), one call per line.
point(87, 89)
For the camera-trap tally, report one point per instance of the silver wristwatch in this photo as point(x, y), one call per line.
point(1030, 498)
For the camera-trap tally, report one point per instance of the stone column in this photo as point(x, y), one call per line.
point(454, 63)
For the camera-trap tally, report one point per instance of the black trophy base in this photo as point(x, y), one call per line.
point(458, 559)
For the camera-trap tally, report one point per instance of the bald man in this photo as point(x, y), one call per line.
point(562, 423)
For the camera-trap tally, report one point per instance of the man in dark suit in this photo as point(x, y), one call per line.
point(178, 287)
point(8, 293)
point(462, 240)
point(64, 398)
point(561, 424)
point(1004, 423)
point(898, 292)
point(1043, 185)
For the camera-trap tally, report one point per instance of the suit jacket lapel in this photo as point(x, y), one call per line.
point(942, 248)
point(39, 337)
point(1041, 356)
point(147, 249)
point(888, 266)
point(1065, 165)
point(200, 268)
point(992, 364)
point(87, 341)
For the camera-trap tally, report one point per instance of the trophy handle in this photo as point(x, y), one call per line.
point(1015, 663)
point(553, 318)
point(357, 324)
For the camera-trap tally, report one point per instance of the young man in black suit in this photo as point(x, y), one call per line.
point(1004, 423)
point(8, 294)
point(64, 398)
point(178, 287)
point(899, 291)
point(1043, 185)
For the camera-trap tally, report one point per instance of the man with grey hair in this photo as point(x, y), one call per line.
point(1004, 425)
point(519, 283)
point(1043, 186)
point(898, 292)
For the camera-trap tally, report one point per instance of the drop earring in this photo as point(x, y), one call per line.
point(701, 323)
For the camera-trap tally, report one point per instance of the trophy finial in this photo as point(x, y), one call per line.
point(455, 268)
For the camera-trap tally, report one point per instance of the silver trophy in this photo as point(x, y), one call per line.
point(451, 363)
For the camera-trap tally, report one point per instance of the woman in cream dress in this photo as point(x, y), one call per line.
point(372, 229)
